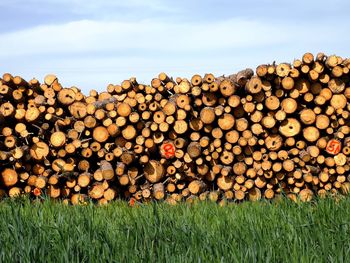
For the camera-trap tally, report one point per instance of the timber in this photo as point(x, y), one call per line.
point(283, 129)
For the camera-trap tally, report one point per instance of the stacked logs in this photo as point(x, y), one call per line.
point(284, 130)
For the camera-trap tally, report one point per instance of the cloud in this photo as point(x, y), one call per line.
point(107, 36)
point(87, 7)
point(92, 53)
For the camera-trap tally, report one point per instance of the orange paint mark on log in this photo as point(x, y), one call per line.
point(37, 192)
point(132, 202)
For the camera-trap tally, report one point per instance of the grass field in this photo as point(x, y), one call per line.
point(204, 232)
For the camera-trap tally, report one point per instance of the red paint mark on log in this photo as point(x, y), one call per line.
point(333, 146)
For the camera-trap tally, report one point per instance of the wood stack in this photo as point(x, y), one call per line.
point(284, 130)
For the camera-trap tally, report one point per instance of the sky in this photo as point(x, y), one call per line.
point(90, 44)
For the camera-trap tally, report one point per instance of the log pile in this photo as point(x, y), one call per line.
point(283, 130)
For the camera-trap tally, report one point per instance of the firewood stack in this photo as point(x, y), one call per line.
point(284, 130)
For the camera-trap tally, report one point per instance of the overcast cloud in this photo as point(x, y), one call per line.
point(90, 43)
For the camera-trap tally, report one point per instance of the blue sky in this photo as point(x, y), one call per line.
point(90, 43)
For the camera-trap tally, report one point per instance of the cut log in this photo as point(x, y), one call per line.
point(290, 127)
point(196, 187)
point(158, 191)
point(226, 121)
point(58, 139)
point(194, 149)
point(9, 177)
point(227, 88)
point(225, 183)
point(97, 191)
point(254, 85)
point(100, 134)
point(39, 150)
point(107, 170)
point(207, 115)
point(311, 134)
point(306, 195)
point(50, 79)
point(66, 96)
point(154, 171)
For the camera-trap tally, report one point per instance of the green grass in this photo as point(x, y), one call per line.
point(204, 232)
